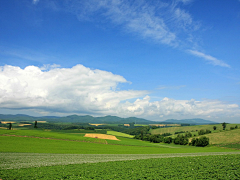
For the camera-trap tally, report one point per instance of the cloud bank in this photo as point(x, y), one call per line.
point(81, 90)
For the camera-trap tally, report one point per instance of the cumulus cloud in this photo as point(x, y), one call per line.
point(85, 91)
point(76, 89)
point(210, 59)
point(171, 108)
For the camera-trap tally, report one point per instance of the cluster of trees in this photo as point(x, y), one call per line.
point(201, 141)
point(155, 138)
point(202, 132)
point(138, 130)
point(181, 139)
point(179, 132)
point(231, 128)
point(224, 125)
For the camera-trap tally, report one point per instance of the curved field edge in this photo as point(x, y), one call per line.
point(198, 167)
point(26, 160)
point(115, 133)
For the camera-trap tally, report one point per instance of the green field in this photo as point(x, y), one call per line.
point(115, 133)
point(37, 145)
point(67, 154)
point(170, 167)
point(229, 136)
point(61, 135)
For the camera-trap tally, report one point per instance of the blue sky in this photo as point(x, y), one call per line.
point(155, 59)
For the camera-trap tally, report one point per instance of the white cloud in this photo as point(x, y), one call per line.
point(35, 1)
point(76, 89)
point(209, 58)
point(163, 22)
point(85, 91)
point(47, 67)
point(185, 1)
point(171, 108)
point(145, 19)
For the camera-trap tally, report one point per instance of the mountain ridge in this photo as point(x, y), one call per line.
point(105, 119)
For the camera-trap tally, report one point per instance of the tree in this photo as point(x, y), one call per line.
point(35, 124)
point(193, 142)
point(202, 141)
point(201, 132)
point(214, 127)
point(132, 124)
point(154, 127)
point(10, 126)
point(142, 135)
point(236, 127)
point(207, 131)
point(168, 140)
point(224, 125)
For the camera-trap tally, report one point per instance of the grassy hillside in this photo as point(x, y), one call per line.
point(172, 130)
point(224, 137)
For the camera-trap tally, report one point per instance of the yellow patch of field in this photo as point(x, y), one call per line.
point(126, 124)
point(6, 122)
point(24, 124)
point(3, 128)
point(159, 125)
point(101, 136)
point(41, 121)
point(96, 124)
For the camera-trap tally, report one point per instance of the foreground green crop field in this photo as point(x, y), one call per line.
point(197, 167)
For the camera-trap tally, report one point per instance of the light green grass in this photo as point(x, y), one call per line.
point(35, 145)
point(141, 125)
point(115, 133)
point(64, 135)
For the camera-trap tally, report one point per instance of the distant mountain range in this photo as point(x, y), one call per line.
point(98, 120)
point(196, 121)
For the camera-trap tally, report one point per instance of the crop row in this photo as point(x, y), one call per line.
point(197, 167)
point(26, 160)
